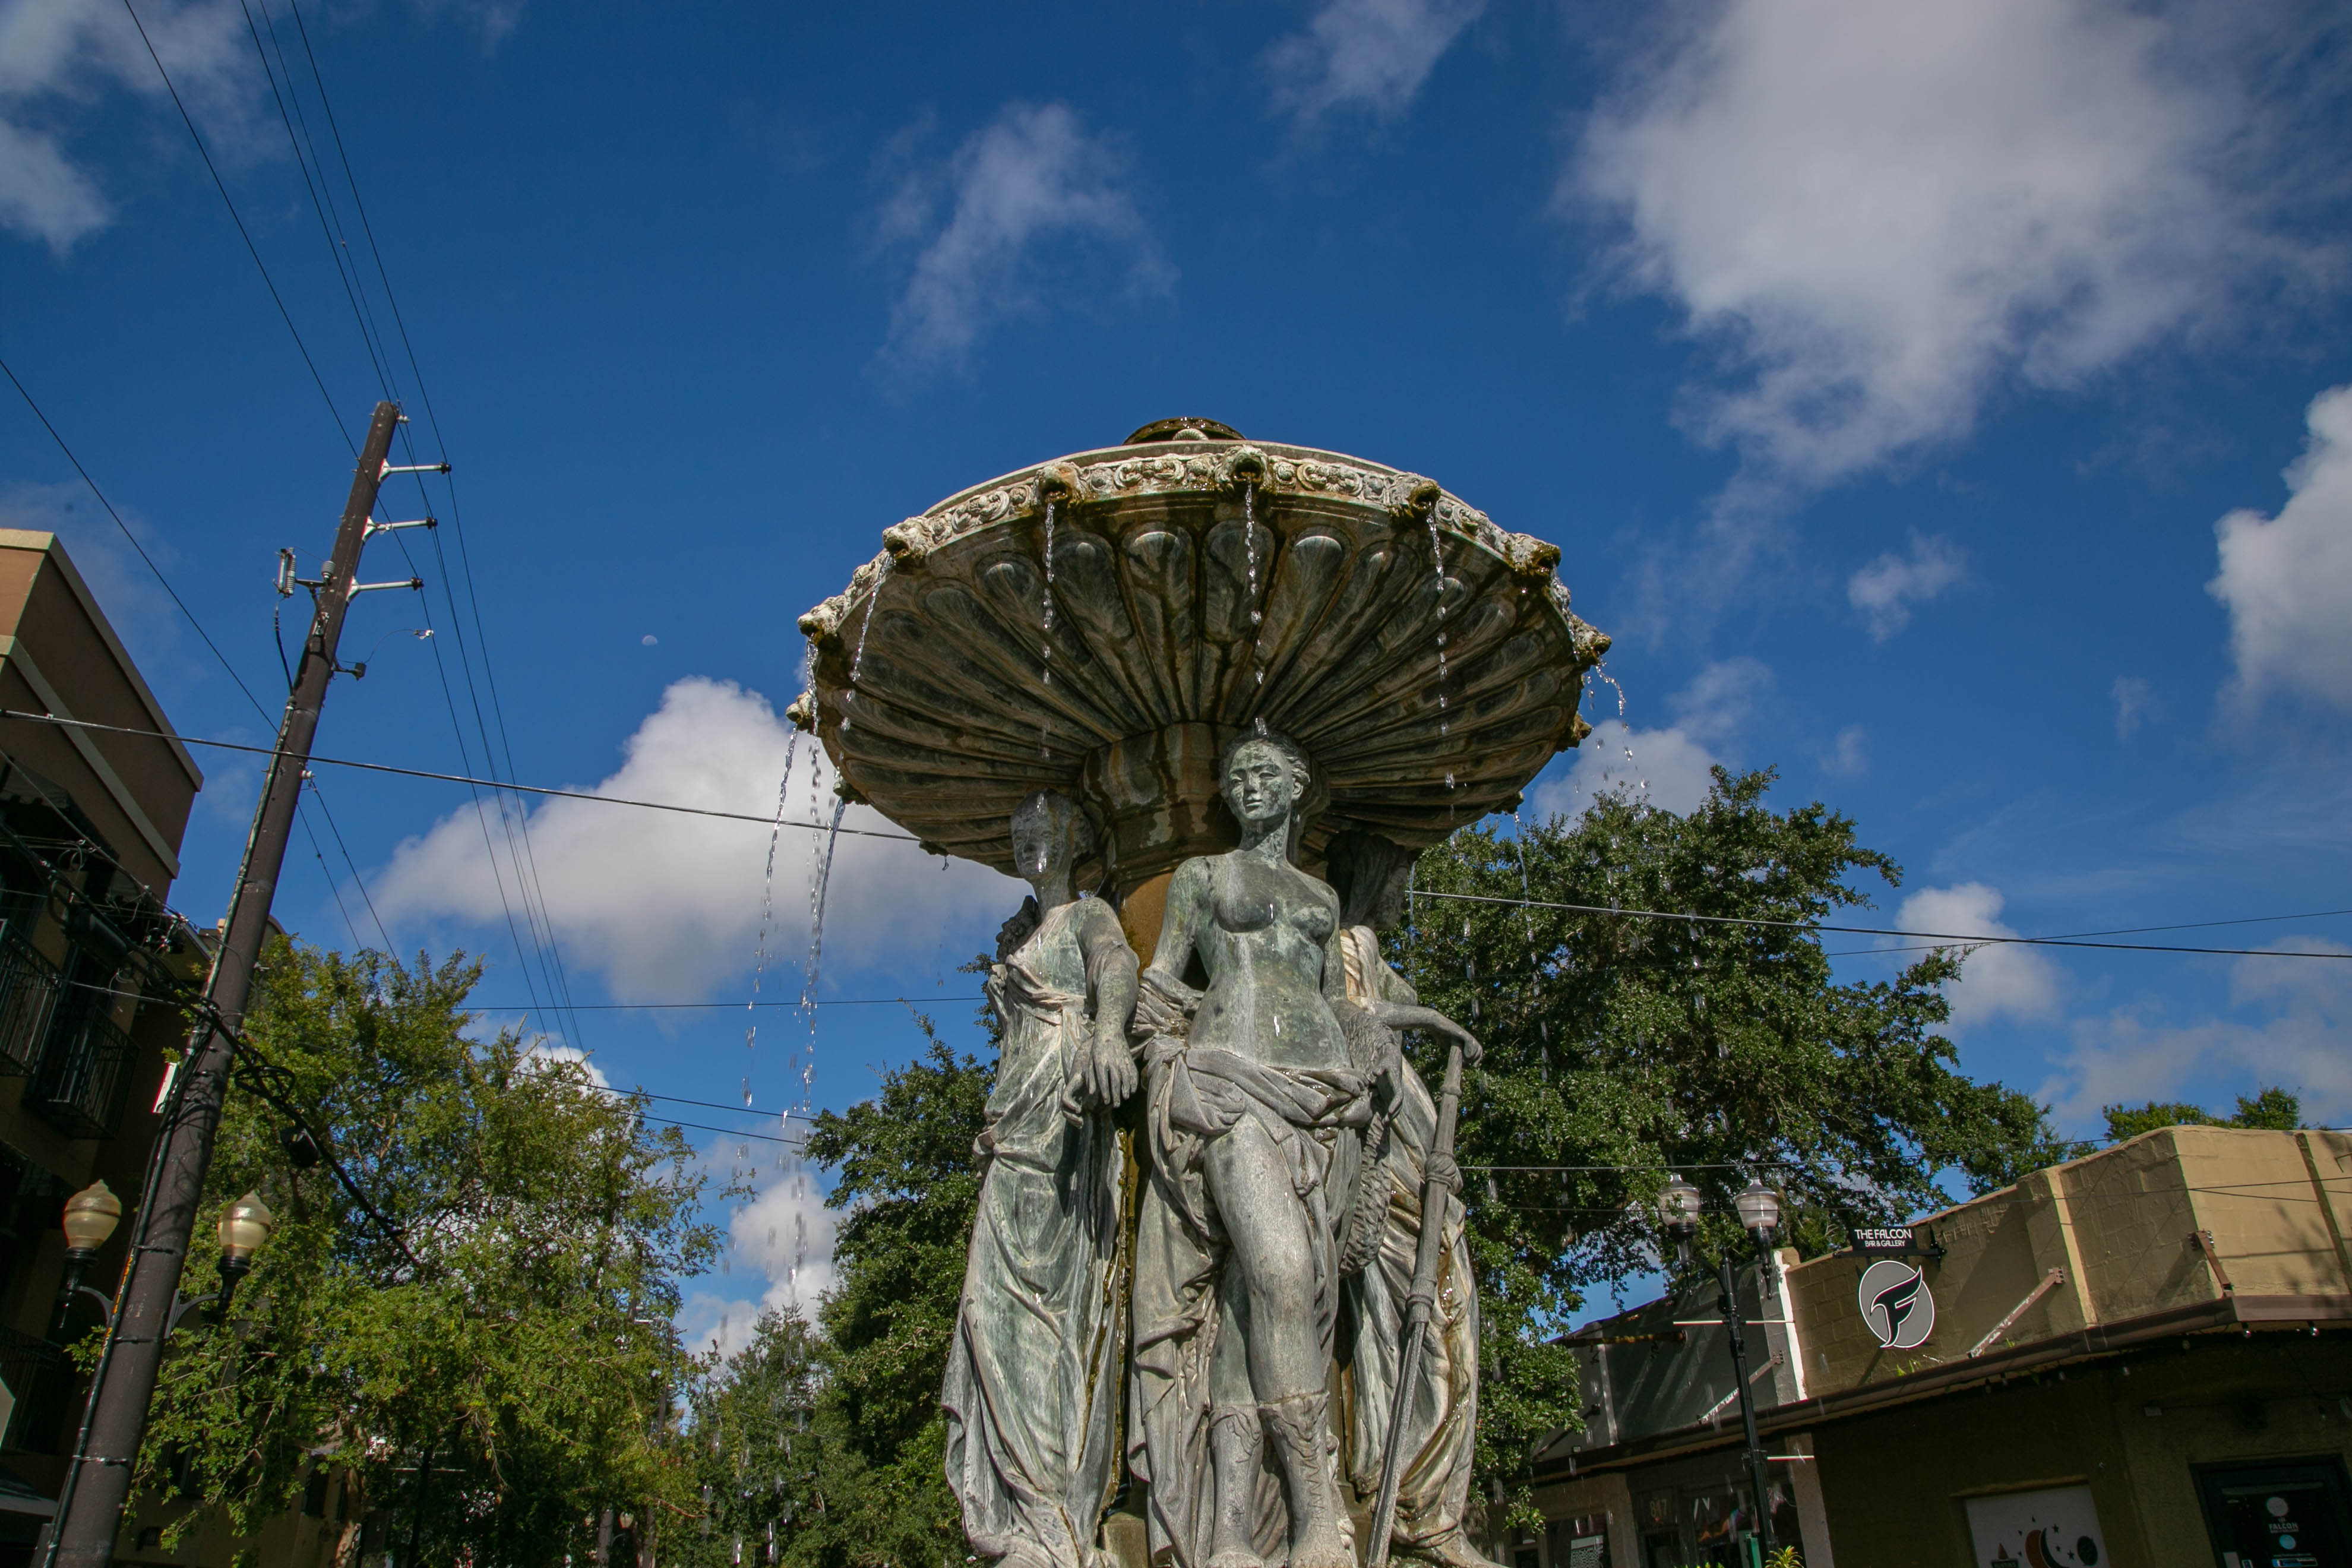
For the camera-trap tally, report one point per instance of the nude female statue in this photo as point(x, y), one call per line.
point(1031, 1390)
point(1254, 1094)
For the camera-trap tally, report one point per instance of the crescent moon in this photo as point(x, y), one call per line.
point(2033, 1552)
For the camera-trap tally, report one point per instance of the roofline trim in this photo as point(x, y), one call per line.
point(13, 651)
point(2083, 1344)
point(55, 548)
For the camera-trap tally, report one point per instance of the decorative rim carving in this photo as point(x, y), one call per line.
point(943, 697)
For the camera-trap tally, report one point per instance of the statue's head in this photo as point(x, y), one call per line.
point(1263, 776)
point(1371, 874)
point(1050, 835)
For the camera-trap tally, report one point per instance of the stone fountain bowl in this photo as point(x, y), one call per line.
point(965, 668)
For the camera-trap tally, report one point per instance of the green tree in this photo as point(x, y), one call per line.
point(764, 1454)
point(909, 1183)
point(833, 1433)
point(506, 1367)
point(2275, 1109)
point(1620, 1048)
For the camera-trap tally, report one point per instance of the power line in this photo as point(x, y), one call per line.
point(134, 539)
point(1952, 938)
point(251, 250)
point(462, 778)
point(533, 892)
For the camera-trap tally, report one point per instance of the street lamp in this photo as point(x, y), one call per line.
point(1758, 1207)
point(90, 1218)
point(244, 1226)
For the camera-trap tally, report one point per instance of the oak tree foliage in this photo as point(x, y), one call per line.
point(507, 1365)
point(1621, 1046)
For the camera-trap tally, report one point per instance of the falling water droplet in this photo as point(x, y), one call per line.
point(819, 882)
point(1437, 559)
point(857, 659)
point(1046, 639)
point(767, 905)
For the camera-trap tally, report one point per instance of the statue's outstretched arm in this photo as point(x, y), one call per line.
point(1413, 1015)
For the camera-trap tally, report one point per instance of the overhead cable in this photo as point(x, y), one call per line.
point(764, 821)
point(1952, 938)
point(243, 234)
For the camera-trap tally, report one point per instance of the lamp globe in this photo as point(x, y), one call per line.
point(1678, 1206)
point(245, 1226)
point(90, 1218)
point(1759, 1211)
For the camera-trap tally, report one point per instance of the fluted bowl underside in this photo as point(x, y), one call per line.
point(961, 671)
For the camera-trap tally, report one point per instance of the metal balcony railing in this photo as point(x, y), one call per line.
point(80, 1084)
point(29, 988)
point(38, 1374)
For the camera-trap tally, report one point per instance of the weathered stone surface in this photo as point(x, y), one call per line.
point(933, 697)
point(1033, 1379)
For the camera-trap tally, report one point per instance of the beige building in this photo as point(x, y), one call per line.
point(90, 841)
point(91, 824)
point(2141, 1358)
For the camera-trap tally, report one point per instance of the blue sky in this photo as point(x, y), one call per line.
point(1935, 402)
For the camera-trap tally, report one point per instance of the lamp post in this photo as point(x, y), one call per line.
point(1758, 1207)
point(90, 1218)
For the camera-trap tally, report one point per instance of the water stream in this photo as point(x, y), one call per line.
point(1257, 610)
point(857, 658)
point(819, 882)
point(1045, 640)
point(767, 915)
point(1625, 744)
point(1444, 724)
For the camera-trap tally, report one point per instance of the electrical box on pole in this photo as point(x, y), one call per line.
point(97, 1480)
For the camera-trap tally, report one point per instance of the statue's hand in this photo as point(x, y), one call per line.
point(1442, 1168)
point(1108, 1070)
point(1407, 1015)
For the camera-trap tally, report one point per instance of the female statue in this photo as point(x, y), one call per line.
point(1255, 1092)
point(1032, 1392)
point(1442, 1423)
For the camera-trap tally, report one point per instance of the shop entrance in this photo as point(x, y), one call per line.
point(2292, 1514)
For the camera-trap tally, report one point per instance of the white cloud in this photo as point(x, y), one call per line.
point(2304, 1045)
point(1032, 205)
point(2287, 580)
point(58, 56)
point(547, 1050)
point(42, 194)
point(1373, 53)
point(1877, 210)
point(783, 1239)
point(1848, 755)
point(1720, 699)
point(1885, 590)
point(1672, 768)
point(1665, 767)
point(668, 906)
point(2134, 696)
point(1999, 981)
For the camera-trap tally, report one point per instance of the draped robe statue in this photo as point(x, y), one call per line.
point(1441, 1433)
point(1256, 1089)
point(1033, 1381)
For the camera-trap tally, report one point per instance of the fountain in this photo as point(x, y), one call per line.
point(931, 690)
point(1175, 674)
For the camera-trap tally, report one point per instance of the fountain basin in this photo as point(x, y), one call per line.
point(944, 690)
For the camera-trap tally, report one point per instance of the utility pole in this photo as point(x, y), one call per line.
point(97, 1482)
